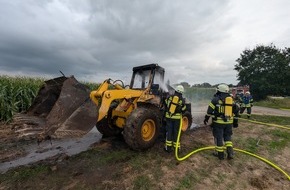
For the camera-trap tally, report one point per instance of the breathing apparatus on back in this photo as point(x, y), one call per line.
point(174, 106)
point(228, 107)
point(225, 109)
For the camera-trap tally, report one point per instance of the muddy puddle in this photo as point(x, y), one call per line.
point(51, 148)
point(48, 149)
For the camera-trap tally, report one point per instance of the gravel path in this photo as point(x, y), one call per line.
point(270, 111)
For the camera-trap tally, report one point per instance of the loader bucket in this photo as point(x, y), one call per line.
point(64, 109)
point(46, 97)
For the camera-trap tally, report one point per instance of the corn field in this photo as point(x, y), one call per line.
point(92, 86)
point(17, 94)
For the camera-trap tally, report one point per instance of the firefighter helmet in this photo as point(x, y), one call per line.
point(180, 89)
point(223, 88)
point(248, 92)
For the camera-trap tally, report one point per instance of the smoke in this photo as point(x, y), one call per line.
point(199, 99)
point(163, 86)
point(159, 80)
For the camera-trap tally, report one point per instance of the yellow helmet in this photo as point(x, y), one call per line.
point(180, 89)
point(223, 88)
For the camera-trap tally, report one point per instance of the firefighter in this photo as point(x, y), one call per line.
point(239, 98)
point(224, 113)
point(175, 106)
point(247, 103)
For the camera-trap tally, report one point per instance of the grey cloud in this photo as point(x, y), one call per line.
point(108, 36)
point(164, 28)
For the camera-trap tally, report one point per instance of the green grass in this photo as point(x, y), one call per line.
point(280, 139)
point(275, 103)
point(96, 158)
point(142, 182)
point(137, 162)
point(186, 182)
point(25, 173)
point(279, 120)
point(251, 145)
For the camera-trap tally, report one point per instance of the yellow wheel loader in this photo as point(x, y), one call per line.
point(136, 110)
point(66, 108)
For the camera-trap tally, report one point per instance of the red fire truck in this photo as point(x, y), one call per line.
point(240, 89)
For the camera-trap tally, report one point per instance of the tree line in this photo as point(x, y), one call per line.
point(266, 69)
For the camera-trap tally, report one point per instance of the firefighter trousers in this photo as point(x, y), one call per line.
point(249, 110)
point(223, 134)
point(172, 128)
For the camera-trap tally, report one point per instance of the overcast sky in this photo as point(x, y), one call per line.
point(195, 41)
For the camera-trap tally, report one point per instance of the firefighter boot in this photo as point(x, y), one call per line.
point(230, 153)
point(221, 155)
point(168, 149)
point(215, 154)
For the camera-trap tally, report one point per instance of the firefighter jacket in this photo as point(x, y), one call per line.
point(239, 98)
point(175, 106)
point(247, 101)
point(218, 107)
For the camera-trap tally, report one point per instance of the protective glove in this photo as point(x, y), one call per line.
point(206, 118)
point(235, 123)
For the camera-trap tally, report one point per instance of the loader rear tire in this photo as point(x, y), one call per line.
point(142, 128)
point(186, 121)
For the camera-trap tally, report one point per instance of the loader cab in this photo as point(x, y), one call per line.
point(147, 76)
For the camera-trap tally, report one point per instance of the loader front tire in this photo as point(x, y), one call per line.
point(106, 129)
point(105, 126)
point(142, 128)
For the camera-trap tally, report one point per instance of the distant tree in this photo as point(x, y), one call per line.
point(196, 85)
point(205, 84)
point(266, 69)
point(185, 84)
point(286, 53)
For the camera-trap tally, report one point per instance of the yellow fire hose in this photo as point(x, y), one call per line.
point(269, 124)
point(213, 147)
point(287, 109)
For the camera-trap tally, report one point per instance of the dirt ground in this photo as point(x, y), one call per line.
point(156, 169)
